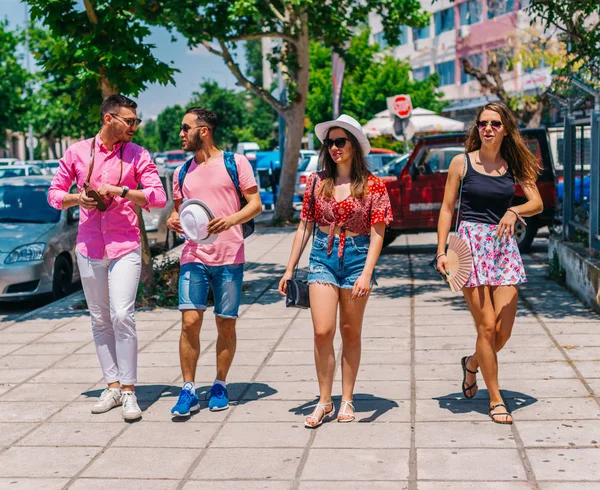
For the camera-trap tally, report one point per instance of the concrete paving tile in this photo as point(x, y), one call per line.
point(251, 358)
point(381, 372)
point(142, 463)
point(454, 464)
point(171, 347)
point(589, 369)
point(507, 371)
point(284, 390)
point(30, 392)
point(270, 411)
point(28, 362)
point(252, 323)
point(577, 327)
point(69, 375)
point(156, 359)
point(160, 411)
point(393, 345)
point(349, 485)
point(271, 464)
point(37, 483)
point(254, 345)
point(74, 336)
point(37, 349)
point(9, 348)
point(463, 435)
point(468, 342)
point(19, 337)
point(386, 331)
point(480, 485)
point(262, 435)
point(288, 373)
point(445, 330)
point(72, 434)
point(453, 410)
point(290, 358)
point(367, 464)
point(295, 345)
point(166, 434)
point(79, 361)
point(544, 388)
point(388, 358)
point(443, 320)
point(584, 353)
point(10, 432)
point(260, 333)
point(392, 390)
point(569, 485)
point(523, 354)
point(45, 462)
point(130, 484)
point(81, 412)
point(159, 375)
point(27, 412)
point(15, 375)
point(27, 327)
point(238, 484)
point(573, 433)
point(365, 436)
point(579, 340)
point(561, 409)
point(565, 464)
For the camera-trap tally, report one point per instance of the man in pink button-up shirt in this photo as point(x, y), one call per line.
point(108, 242)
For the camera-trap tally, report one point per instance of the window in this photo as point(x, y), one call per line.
point(444, 20)
point(421, 73)
point(476, 61)
point(446, 72)
point(496, 8)
point(420, 33)
point(404, 36)
point(470, 12)
point(380, 39)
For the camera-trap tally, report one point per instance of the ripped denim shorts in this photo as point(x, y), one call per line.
point(330, 269)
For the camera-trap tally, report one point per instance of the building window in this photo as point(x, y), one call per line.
point(496, 8)
point(444, 20)
point(446, 72)
point(421, 73)
point(404, 36)
point(470, 12)
point(380, 39)
point(420, 33)
point(476, 61)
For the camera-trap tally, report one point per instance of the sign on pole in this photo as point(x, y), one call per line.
point(400, 105)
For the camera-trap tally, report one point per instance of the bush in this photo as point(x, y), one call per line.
point(165, 290)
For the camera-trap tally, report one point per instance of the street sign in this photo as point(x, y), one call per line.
point(400, 105)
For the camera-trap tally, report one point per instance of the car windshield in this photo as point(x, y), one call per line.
point(26, 204)
point(171, 157)
point(8, 172)
point(303, 165)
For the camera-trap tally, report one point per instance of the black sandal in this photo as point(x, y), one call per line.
point(463, 362)
point(492, 415)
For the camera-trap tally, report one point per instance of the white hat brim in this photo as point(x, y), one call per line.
point(202, 207)
point(323, 128)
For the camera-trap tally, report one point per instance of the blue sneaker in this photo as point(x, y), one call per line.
point(218, 399)
point(186, 403)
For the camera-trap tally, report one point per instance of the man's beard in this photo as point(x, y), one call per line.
point(195, 144)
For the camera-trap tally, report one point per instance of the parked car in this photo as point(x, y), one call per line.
point(50, 167)
point(379, 157)
point(155, 220)
point(19, 171)
point(37, 242)
point(8, 161)
point(393, 167)
point(175, 158)
point(305, 168)
point(416, 193)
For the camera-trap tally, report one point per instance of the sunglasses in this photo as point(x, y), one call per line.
point(338, 142)
point(130, 121)
point(484, 124)
point(185, 129)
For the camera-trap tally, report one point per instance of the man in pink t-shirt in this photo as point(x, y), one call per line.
point(219, 264)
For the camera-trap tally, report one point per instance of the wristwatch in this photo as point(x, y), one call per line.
point(125, 191)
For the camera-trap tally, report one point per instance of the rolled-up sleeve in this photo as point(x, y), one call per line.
point(62, 181)
point(147, 176)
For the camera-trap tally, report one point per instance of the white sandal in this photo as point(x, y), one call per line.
point(342, 412)
point(326, 415)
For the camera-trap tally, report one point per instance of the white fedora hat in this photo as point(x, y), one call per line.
point(349, 124)
point(194, 216)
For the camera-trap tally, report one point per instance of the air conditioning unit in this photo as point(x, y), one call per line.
point(464, 31)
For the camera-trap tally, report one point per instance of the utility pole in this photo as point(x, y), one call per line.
point(27, 55)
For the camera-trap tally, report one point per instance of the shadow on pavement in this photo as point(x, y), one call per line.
point(480, 403)
point(363, 403)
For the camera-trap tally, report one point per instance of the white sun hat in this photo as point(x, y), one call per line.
point(194, 216)
point(349, 124)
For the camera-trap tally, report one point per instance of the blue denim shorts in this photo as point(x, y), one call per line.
point(226, 280)
point(330, 269)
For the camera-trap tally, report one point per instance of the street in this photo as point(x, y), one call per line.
point(414, 430)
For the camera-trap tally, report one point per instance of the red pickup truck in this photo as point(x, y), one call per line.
point(417, 191)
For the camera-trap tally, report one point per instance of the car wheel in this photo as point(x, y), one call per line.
point(171, 240)
point(389, 237)
point(62, 278)
point(525, 235)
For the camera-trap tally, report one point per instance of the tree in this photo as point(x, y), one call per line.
point(168, 123)
point(13, 80)
point(220, 25)
point(147, 135)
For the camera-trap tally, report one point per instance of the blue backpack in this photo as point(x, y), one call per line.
point(248, 227)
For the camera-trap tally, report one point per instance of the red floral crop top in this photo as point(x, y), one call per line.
point(351, 214)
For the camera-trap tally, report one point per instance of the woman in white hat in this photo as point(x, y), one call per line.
point(351, 209)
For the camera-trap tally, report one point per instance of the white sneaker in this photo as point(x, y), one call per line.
point(131, 409)
point(109, 399)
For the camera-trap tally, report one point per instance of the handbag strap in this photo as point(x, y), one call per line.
point(310, 207)
point(86, 184)
point(460, 191)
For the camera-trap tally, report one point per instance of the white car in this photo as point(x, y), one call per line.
point(8, 161)
point(19, 171)
point(305, 168)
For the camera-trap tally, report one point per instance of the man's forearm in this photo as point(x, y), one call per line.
point(70, 200)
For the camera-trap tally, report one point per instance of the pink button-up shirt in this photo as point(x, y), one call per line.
point(114, 232)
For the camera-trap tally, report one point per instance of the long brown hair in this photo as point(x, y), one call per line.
point(523, 164)
point(359, 173)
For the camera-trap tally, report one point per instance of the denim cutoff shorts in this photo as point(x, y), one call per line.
point(226, 280)
point(330, 269)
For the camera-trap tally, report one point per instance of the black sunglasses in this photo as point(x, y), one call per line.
point(484, 124)
point(185, 128)
point(338, 142)
point(130, 121)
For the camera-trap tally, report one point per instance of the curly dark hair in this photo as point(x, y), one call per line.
point(205, 115)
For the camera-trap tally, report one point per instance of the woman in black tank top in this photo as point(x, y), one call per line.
point(496, 157)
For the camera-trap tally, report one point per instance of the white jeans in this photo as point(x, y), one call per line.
point(110, 287)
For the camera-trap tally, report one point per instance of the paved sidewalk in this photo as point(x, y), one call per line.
point(414, 430)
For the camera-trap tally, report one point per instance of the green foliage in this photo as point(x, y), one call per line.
point(164, 291)
point(254, 60)
point(168, 123)
point(147, 136)
point(389, 143)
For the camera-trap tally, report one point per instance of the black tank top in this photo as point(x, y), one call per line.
point(485, 198)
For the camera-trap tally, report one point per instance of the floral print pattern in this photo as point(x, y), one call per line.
point(496, 261)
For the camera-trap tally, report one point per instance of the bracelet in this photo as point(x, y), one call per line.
point(517, 215)
point(439, 255)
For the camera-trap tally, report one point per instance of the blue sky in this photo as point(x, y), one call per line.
point(194, 65)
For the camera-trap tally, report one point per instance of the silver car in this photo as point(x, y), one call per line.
point(19, 171)
point(305, 168)
point(37, 242)
point(155, 220)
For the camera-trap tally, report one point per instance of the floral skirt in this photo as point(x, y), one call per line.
point(496, 261)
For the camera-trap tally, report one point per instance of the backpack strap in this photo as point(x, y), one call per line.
point(232, 170)
point(183, 172)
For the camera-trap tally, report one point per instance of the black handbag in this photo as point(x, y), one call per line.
point(296, 295)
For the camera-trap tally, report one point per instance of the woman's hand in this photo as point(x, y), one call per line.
point(442, 265)
point(362, 286)
point(283, 283)
point(507, 224)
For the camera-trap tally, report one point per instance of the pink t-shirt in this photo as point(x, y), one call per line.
point(213, 186)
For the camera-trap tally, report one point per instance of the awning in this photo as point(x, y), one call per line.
point(420, 121)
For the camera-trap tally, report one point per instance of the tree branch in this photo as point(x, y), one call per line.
point(212, 50)
point(89, 10)
point(278, 35)
point(247, 84)
point(276, 12)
